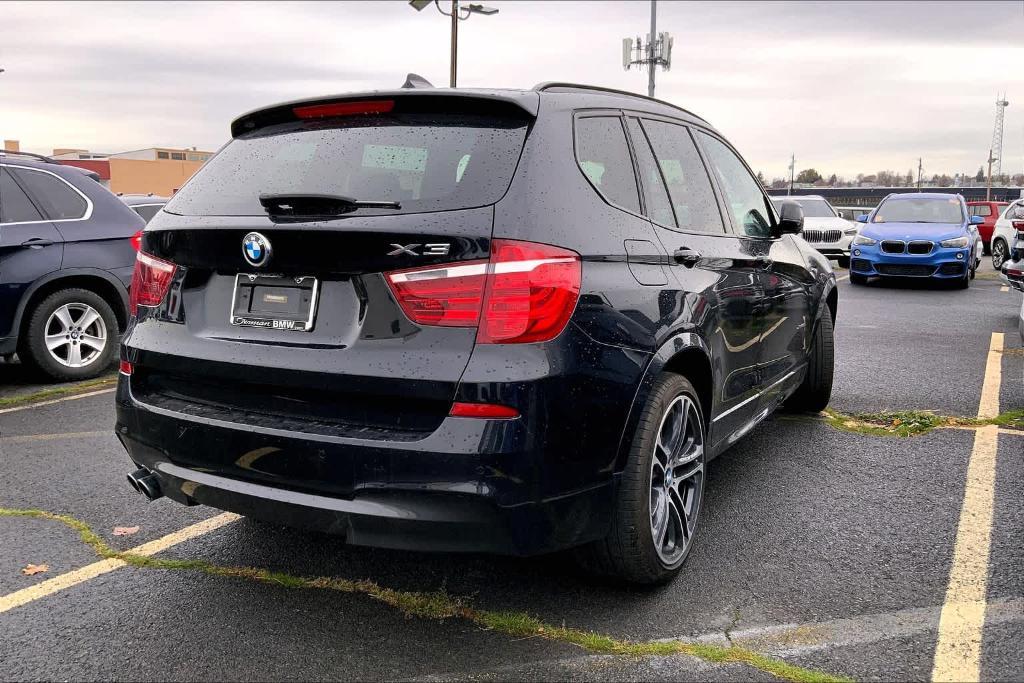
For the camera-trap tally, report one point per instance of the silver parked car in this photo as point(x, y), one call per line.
point(824, 229)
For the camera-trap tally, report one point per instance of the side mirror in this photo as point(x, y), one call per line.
point(863, 218)
point(977, 220)
point(791, 218)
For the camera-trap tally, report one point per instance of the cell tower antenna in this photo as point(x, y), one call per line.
point(996, 153)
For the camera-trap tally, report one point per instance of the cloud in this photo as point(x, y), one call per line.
point(847, 87)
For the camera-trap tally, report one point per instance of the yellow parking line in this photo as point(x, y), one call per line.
point(73, 578)
point(958, 651)
point(54, 437)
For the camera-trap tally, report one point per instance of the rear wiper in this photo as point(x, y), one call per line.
point(318, 204)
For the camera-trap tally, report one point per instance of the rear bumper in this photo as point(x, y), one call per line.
point(499, 486)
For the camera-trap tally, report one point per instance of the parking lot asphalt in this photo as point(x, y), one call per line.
point(821, 548)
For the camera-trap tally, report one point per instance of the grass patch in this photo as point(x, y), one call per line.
point(58, 392)
point(914, 422)
point(440, 605)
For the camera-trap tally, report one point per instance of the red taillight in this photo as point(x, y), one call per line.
point(150, 281)
point(1014, 272)
point(1018, 225)
point(136, 240)
point(483, 410)
point(526, 292)
point(319, 111)
point(531, 292)
point(125, 368)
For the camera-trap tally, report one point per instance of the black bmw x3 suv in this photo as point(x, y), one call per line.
point(509, 321)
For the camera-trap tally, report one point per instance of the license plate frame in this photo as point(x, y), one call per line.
point(301, 322)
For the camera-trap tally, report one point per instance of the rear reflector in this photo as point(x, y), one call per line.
point(526, 292)
point(483, 410)
point(137, 240)
point(150, 281)
point(125, 368)
point(320, 111)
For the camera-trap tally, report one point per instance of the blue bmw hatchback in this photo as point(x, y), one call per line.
point(917, 235)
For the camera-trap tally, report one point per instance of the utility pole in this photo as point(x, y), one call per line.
point(656, 52)
point(995, 153)
point(988, 185)
point(792, 168)
point(919, 174)
point(454, 70)
point(650, 48)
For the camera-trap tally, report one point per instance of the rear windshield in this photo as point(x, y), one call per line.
point(936, 210)
point(426, 162)
point(813, 208)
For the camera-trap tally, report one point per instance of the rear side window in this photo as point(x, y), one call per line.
point(424, 161)
point(981, 210)
point(58, 200)
point(688, 183)
point(603, 154)
point(659, 207)
point(750, 208)
point(15, 206)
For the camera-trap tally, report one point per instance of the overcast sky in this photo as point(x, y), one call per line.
point(848, 88)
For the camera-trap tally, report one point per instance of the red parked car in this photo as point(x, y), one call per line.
point(990, 212)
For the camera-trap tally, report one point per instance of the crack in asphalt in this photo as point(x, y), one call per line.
point(440, 605)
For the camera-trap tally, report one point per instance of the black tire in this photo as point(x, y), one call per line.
point(999, 253)
point(628, 552)
point(974, 269)
point(32, 346)
point(858, 279)
point(843, 261)
point(964, 282)
point(986, 248)
point(813, 394)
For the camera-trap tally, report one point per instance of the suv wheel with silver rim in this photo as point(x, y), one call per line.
point(70, 335)
point(999, 252)
point(661, 490)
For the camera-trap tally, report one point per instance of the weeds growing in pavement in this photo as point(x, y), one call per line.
point(440, 605)
point(914, 422)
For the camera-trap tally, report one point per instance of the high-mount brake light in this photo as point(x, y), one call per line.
point(525, 293)
point(320, 111)
point(150, 281)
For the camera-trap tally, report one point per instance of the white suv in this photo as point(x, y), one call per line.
point(1008, 230)
point(824, 229)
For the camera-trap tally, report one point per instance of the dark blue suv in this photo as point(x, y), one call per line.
point(488, 320)
point(67, 249)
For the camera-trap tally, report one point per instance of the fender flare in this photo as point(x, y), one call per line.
point(57, 275)
point(673, 346)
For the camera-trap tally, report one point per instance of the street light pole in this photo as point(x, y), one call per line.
point(455, 44)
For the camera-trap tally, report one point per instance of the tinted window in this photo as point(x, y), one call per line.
point(929, 210)
point(688, 183)
point(58, 200)
point(410, 158)
point(659, 208)
point(147, 211)
point(604, 156)
point(15, 206)
point(750, 211)
point(981, 210)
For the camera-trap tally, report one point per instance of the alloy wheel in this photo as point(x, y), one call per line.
point(75, 335)
point(998, 254)
point(677, 480)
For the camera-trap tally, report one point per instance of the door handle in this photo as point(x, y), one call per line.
point(687, 257)
point(36, 243)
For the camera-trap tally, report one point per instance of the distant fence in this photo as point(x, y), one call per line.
point(869, 197)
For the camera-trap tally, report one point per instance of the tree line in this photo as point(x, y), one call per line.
point(811, 176)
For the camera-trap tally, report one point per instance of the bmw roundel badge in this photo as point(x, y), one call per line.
point(256, 249)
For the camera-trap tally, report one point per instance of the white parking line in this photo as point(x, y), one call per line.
point(845, 277)
point(958, 651)
point(1004, 288)
point(57, 400)
point(73, 578)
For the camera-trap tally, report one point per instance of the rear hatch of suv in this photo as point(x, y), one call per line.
point(302, 327)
